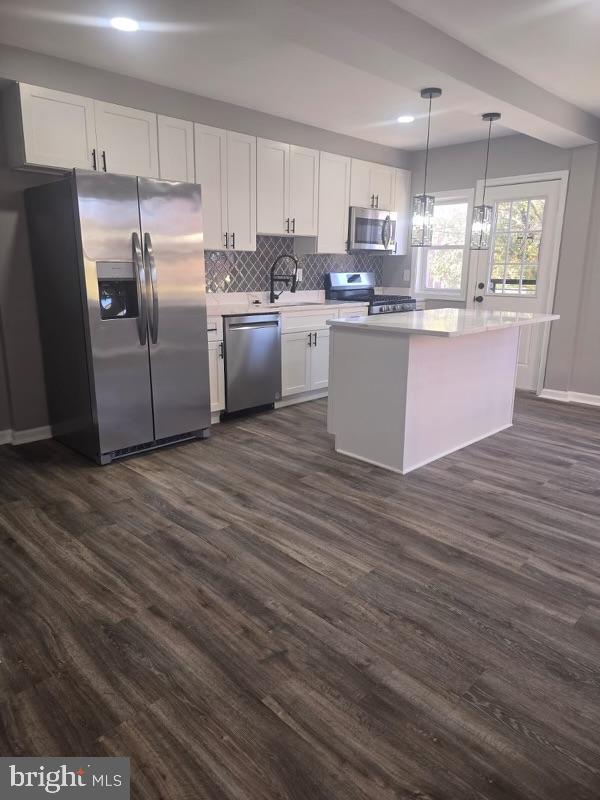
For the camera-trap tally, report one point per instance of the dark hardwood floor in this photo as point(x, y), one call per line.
point(256, 618)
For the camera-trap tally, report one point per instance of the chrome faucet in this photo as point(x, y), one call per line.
point(286, 279)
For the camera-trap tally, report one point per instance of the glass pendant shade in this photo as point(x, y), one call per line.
point(481, 229)
point(422, 220)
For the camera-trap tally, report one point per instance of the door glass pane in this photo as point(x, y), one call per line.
point(515, 248)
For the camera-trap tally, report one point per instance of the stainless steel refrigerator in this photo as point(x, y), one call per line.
point(119, 272)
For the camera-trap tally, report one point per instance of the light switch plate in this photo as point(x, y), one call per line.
point(299, 275)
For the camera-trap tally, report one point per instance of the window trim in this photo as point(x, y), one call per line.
point(418, 291)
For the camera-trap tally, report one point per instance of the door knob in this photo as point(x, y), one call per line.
point(478, 298)
point(481, 285)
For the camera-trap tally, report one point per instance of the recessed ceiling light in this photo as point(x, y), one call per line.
point(125, 24)
point(405, 119)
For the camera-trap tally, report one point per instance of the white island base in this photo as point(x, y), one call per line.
point(407, 389)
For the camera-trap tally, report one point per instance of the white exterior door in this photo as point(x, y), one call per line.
point(319, 360)
point(241, 190)
point(517, 272)
point(58, 128)
point(127, 140)
point(304, 190)
point(295, 363)
point(334, 203)
point(211, 174)
point(175, 149)
point(272, 187)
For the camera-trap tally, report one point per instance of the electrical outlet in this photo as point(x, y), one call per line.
point(406, 275)
point(299, 275)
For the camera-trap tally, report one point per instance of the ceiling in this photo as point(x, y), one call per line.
point(283, 57)
point(554, 43)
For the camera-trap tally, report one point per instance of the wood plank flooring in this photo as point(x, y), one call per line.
point(256, 618)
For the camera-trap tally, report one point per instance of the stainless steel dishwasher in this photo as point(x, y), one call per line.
point(252, 361)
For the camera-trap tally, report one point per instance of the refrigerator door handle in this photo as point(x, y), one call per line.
point(140, 274)
point(153, 288)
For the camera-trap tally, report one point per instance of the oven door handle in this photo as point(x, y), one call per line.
point(386, 232)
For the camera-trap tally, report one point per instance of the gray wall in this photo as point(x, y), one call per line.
point(573, 362)
point(22, 394)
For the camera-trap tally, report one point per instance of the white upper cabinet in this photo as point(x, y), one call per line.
point(175, 149)
point(241, 191)
point(127, 140)
point(334, 203)
point(402, 202)
point(211, 174)
point(287, 185)
point(372, 185)
point(226, 172)
point(304, 190)
point(57, 131)
point(272, 187)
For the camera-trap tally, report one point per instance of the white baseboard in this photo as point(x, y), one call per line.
point(303, 397)
point(25, 436)
point(570, 397)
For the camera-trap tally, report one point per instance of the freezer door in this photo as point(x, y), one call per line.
point(115, 297)
point(171, 221)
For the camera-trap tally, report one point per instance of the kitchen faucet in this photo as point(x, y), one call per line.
point(286, 279)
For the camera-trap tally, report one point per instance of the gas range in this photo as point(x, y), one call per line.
point(360, 286)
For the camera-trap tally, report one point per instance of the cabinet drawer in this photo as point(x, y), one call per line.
point(292, 322)
point(214, 326)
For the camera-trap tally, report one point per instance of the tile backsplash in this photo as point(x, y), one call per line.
point(248, 271)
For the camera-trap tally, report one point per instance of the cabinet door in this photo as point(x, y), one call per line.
point(211, 174)
point(128, 139)
point(402, 202)
point(295, 363)
point(58, 128)
point(216, 376)
point(334, 203)
point(241, 190)
point(360, 194)
point(304, 190)
point(319, 360)
point(382, 185)
point(272, 187)
point(175, 149)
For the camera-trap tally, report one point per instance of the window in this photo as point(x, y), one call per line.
point(441, 269)
point(515, 247)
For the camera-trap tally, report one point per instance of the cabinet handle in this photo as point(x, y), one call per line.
point(310, 339)
point(221, 350)
point(294, 225)
point(372, 201)
point(287, 225)
point(377, 201)
point(315, 335)
point(226, 240)
point(94, 164)
point(104, 160)
point(233, 241)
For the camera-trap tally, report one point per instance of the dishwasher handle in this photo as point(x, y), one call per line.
point(251, 326)
point(251, 322)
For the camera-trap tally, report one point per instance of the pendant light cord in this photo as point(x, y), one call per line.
point(487, 158)
point(427, 147)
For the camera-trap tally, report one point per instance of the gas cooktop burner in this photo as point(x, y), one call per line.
point(360, 287)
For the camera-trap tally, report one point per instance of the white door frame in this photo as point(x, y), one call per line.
point(563, 177)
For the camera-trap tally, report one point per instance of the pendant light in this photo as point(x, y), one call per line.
point(482, 215)
point(422, 206)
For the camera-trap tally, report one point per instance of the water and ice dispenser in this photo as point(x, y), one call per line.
point(117, 289)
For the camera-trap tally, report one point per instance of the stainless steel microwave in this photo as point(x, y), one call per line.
point(372, 229)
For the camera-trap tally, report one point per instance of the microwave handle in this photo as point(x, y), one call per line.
point(386, 232)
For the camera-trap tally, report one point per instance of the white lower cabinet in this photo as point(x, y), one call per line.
point(295, 363)
point(304, 361)
point(216, 376)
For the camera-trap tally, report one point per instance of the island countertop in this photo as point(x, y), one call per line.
point(442, 321)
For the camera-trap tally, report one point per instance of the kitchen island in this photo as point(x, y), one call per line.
point(406, 389)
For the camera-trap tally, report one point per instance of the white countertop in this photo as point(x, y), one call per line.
point(224, 309)
point(443, 321)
